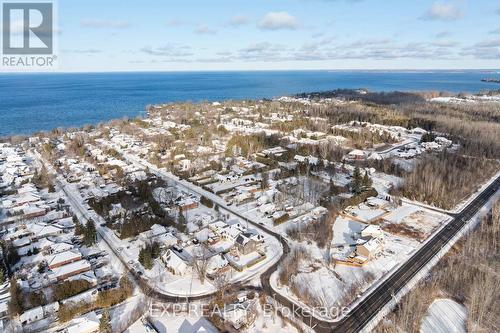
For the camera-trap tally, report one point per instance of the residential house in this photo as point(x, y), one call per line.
point(63, 258)
point(174, 263)
point(63, 272)
point(370, 248)
point(246, 245)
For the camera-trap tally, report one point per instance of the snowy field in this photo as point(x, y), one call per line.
point(182, 324)
point(337, 285)
point(444, 316)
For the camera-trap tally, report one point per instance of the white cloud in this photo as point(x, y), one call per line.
point(445, 43)
point(481, 52)
point(238, 20)
point(204, 30)
point(489, 43)
point(104, 24)
point(496, 31)
point(443, 11)
point(169, 50)
point(278, 20)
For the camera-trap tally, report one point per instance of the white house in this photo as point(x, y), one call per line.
point(369, 248)
point(174, 263)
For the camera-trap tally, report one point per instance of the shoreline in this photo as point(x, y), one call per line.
point(343, 93)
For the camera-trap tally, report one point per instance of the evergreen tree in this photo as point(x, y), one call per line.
point(155, 250)
point(78, 229)
point(89, 233)
point(428, 137)
point(16, 298)
point(126, 285)
point(356, 183)
point(145, 258)
point(105, 322)
point(333, 189)
point(148, 254)
point(78, 226)
point(367, 181)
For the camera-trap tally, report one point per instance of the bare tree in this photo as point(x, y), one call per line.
point(200, 262)
point(221, 282)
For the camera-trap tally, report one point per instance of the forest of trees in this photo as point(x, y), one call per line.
point(446, 179)
point(383, 98)
point(360, 182)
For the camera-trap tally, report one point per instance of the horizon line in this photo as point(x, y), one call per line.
point(259, 70)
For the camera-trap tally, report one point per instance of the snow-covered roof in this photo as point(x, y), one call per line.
point(174, 262)
point(59, 258)
point(356, 152)
point(31, 315)
point(86, 324)
point(71, 268)
point(215, 263)
point(41, 230)
point(372, 244)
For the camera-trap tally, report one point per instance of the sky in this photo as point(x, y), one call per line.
point(165, 35)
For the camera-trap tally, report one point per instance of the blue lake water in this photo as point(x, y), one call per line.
point(33, 102)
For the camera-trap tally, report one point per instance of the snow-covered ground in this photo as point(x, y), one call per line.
point(330, 285)
point(467, 99)
point(270, 323)
point(337, 285)
point(160, 278)
point(123, 313)
point(345, 230)
point(414, 218)
point(180, 323)
point(444, 316)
